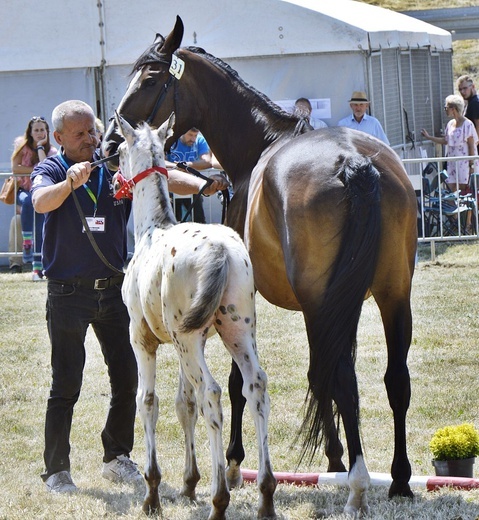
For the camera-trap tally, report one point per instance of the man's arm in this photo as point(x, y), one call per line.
point(183, 183)
point(50, 198)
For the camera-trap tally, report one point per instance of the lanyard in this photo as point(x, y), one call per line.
point(87, 188)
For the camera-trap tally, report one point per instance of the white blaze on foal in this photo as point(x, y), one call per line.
point(183, 280)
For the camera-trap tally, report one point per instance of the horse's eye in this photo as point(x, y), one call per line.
point(149, 82)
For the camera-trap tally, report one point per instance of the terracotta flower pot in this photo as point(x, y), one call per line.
point(454, 468)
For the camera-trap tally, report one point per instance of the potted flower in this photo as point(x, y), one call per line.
point(454, 449)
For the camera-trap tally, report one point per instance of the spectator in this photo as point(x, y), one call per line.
point(15, 240)
point(467, 89)
point(461, 139)
point(303, 108)
point(30, 149)
point(359, 120)
point(83, 291)
point(192, 149)
point(100, 129)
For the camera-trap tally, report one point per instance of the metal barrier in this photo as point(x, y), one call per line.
point(444, 214)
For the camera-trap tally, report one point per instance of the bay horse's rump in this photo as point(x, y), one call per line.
point(297, 210)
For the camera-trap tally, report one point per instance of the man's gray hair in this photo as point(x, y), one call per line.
point(68, 109)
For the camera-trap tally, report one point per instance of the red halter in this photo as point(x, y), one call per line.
point(126, 186)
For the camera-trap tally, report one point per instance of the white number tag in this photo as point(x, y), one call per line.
point(177, 67)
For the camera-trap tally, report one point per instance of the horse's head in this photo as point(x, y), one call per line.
point(151, 95)
point(141, 153)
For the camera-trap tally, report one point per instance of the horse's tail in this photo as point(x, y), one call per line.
point(332, 326)
point(212, 281)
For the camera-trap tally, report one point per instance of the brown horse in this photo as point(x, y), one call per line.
point(328, 217)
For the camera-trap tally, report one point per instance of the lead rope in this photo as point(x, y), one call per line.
point(183, 166)
point(88, 232)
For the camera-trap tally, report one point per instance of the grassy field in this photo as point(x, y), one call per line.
point(445, 384)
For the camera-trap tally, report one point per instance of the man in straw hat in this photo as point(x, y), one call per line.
point(359, 120)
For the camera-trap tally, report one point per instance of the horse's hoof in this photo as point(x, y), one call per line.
point(152, 510)
point(234, 478)
point(188, 493)
point(337, 467)
point(400, 489)
point(216, 515)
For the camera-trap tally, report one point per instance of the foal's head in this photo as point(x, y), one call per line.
point(142, 147)
point(141, 153)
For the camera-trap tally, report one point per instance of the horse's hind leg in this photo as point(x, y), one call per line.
point(235, 453)
point(240, 342)
point(147, 403)
point(333, 448)
point(346, 396)
point(397, 322)
point(190, 348)
point(187, 413)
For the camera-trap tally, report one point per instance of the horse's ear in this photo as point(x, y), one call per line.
point(126, 130)
point(166, 129)
point(173, 40)
point(159, 39)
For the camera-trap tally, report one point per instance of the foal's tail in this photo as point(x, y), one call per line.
point(332, 326)
point(212, 281)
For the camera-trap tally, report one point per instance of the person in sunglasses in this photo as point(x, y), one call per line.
point(29, 149)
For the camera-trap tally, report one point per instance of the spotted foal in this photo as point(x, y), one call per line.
point(183, 282)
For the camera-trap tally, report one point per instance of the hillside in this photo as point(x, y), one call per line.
point(465, 51)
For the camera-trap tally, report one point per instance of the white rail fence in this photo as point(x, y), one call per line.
point(443, 213)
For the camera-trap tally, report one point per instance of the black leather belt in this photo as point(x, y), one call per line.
point(98, 284)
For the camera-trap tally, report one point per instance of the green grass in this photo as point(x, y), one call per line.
point(444, 378)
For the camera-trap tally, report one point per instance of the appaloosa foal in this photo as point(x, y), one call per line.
point(183, 280)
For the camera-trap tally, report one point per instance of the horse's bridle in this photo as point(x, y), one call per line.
point(162, 94)
point(126, 185)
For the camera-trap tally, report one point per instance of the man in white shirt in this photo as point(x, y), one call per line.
point(303, 108)
point(359, 120)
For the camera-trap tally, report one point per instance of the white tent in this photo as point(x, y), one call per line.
point(318, 49)
point(287, 49)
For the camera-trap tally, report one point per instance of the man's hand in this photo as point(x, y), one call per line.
point(220, 183)
point(79, 173)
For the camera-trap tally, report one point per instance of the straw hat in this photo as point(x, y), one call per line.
point(359, 97)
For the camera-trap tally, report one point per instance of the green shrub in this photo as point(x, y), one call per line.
point(455, 442)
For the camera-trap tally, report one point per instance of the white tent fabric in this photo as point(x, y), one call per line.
point(78, 34)
point(84, 49)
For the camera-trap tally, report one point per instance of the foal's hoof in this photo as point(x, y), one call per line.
point(400, 489)
point(152, 510)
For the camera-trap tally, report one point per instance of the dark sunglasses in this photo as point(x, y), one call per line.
point(34, 119)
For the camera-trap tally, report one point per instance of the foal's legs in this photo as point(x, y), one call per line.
point(190, 348)
point(239, 339)
point(147, 403)
point(187, 413)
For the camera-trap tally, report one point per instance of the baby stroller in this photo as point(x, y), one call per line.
point(446, 213)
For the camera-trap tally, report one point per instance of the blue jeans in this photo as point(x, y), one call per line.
point(70, 310)
point(24, 199)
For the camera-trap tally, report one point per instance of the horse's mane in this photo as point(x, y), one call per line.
point(267, 113)
point(272, 116)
